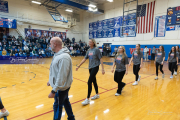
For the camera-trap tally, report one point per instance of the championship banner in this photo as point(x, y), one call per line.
point(8, 23)
point(173, 16)
point(4, 6)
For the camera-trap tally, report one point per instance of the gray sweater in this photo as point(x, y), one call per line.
point(60, 77)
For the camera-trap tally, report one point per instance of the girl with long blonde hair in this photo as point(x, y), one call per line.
point(121, 63)
point(137, 58)
point(95, 59)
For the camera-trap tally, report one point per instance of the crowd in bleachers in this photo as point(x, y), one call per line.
point(40, 47)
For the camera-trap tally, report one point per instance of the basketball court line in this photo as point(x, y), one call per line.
point(81, 99)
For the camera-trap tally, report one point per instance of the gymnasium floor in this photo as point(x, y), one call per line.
point(25, 94)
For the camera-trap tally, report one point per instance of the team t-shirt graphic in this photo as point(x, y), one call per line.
point(172, 55)
point(118, 60)
point(90, 55)
point(159, 55)
point(135, 55)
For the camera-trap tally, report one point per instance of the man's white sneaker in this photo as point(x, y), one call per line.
point(86, 102)
point(95, 97)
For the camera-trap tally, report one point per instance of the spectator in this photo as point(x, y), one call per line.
point(26, 48)
point(73, 40)
point(21, 53)
point(34, 52)
point(33, 44)
point(9, 48)
point(4, 40)
point(30, 48)
point(115, 50)
point(27, 53)
point(12, 53)
point(4, 45)
point(1, 48)
point(42, 52)
point(153, 53)
point(35, 47)
point(72, 53)
point(78, 52)
point(25, 42)
point(13, 48)
point(39, 53)
point(71, 48)
point(47, 53)
point(146, 52)
point(18, 49)
point(4, 53)
point(16, 53)
point(4, 36)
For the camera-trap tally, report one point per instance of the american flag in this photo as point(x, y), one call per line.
point(145, 17)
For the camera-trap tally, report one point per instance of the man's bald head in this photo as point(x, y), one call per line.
point(57, 41)
point(56, 44)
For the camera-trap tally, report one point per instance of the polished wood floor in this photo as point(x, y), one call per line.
point(24, 93)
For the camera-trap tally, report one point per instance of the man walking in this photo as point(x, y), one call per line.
point(60, 79)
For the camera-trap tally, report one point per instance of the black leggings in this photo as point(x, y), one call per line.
point(1, 105)
point(118, 76)
point(176, 68)
point(136, 69)
point(161, 66)
point(92, 79)
point(172, 66)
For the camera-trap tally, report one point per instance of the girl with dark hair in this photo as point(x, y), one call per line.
point(95, 59)
point(137, 58)
point(159, 60)
point(178, 52)
point(121, 63)
point(172, 60)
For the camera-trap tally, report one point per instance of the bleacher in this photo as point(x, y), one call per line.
point(38, 43)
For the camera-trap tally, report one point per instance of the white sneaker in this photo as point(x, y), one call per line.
point(135, 83)
point(139, 78)
point(86, 102)
point(4, 114)
point(95, 97)
point(156, 78)
point(171, 77)
point(163, 75)
point(175, 73)
point(117, 94)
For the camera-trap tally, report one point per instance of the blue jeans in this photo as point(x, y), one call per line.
point(61, 99)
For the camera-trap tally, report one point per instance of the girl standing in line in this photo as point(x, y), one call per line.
point(95, 59)
point(178, 52)
point(3, 112)
point(137, 58)
point(121, 63)
point(172, 60)
point(159, 60)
